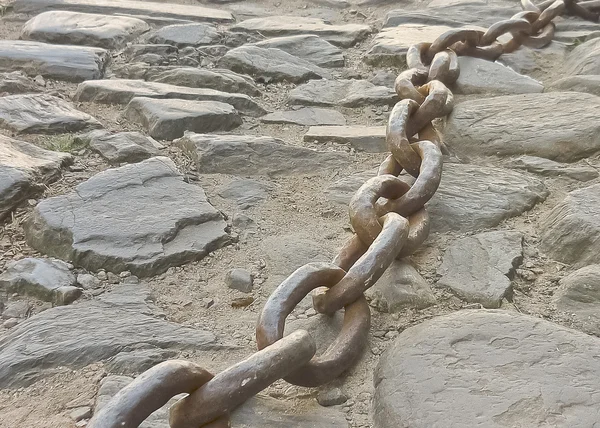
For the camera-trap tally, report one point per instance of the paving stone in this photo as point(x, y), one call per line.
point(121, 91)
point(308, 116)
point(488, 368)
point(24, 169)
point(219, 79)
point(538, 126)
point(42, 114)
point(479, 268)
point(69, 63)
point(77, 335)
point(582, 83)
point(528, 61)
point(549, 168)
point(401, 287)
point(579, 296)
point(182, 35)
point(167, 119)
point(275, 26)
point(137, 361)
point(342, 93)
point(571, 231)
point(271, 65)
point(121, 147)
point(370, 139)
point(308, 47)
point(584, 59)
point(239, 279)
point(250, 155)
point(17, 82)
point(455, 15)
point(72, 28)
point(80, 413)
point(94, 225)
point(246, 193)
point(137, 51)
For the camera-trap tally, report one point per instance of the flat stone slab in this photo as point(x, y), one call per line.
point(94, 226)
point(307, 116)
point(121, 91)
point(571, 231)
point(250, 155)
point(530, 124)
point(69, 63)
point(167, 119)
point(24, 169)
point(72, 28)
point(549, 168)
point(579, 296)
point(456, 15)
point(488, 368)
point(80, 334)
point(182, 35)
point(42, 114)
point(308, 47)
point(584, 59)
point(589, 83)
point(17, 82)
point(343, 93)
point(123, 146)
point(246, 193)
point(478, 76)
point(275, 26)
point(479, 268)
point(370, 139)
point(271, 65)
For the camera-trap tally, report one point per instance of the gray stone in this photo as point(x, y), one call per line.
point(571, 231)
point(77, 335)
point(246, 193)
point(42, 114)
point(94, 226)
point(479, 268)
point(122, 147)
point(66, 295)
point(121, 91)
point(384, 78)
point(138, 361)
point(308, 47)
point(10, 323)
point(584, 59)
point(39, 278)
point(24, 169)
point(275, 26)
point(88, 281)
point(531, 124)
point(341, 191)
point(138, 50)
point(371, 139)
point(72, 28)
point(17, 82)
point(70, 63)
point(579, 296)
point(218, 79)
point(331, 397)
point(527, 61)
point(307, 116)
point(401, 287)
point(271, 65)
point(17, 309)
point(488, 368)
point(342, 93)
point(239, 279)
point(80, 413)
point(167, 119)
point(583, 83)
point(250, 155)
point(479, 76)
point(286, 253)
point(182, 35)
point(549, 168)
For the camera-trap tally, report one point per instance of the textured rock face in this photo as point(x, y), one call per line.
point(182, 35)
point(539, 126)
point(219, 79)
point(308, 116)
point(94, 226)
point(16, 82)
point(584, 59)
point(370, 139)
point(550, 168)
point(579, 296)
point(584, 83)
point(123, 146)
point(345, 93)
point(308, 47)
point(492, 369)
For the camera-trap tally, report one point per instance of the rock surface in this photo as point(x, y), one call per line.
point(583, 83)
point(579, 296)
point(584, 59)
point(94, 226)
point(218, 79)
point(371, 139)
point(308, 116)
point(16, 82)
point(550, 168)
point(538, 126)
point(343, 93)
point(496, 368)
point(122, 146)
point(479, 268)
point(246, 193)
point(308, 47)
point(182, 35)
point(239, 279)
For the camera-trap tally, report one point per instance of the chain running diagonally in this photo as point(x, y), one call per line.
point(390, 221)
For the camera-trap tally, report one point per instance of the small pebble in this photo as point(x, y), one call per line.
point(10, 323)
point(239, 279)
point(102, 276)
point(208, 302)
point(242, 302)
point(112, 278)
point(331, 397)
point(80, 413)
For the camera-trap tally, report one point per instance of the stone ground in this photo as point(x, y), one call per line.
point(179, 205)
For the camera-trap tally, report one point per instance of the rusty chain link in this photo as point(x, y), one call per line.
point(390, 221)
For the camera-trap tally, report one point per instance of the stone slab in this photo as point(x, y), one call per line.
point(308, 47)
point(371, 139)
point(122, 147)
point(549, 168)
point(307, 116)
point(183, 35)
point(342, 93)
point(584, 59)
point(579, 296)
point(589, 83)
point(17, 82)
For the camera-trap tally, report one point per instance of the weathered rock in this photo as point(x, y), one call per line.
point(17, 309)
point(218, 79)
point(138, 361)
point(24, 169)
point(182, 35)
point(121, 91)
point(550, 168)
point(341, 191)
point(308, 47)
point(364, 138)
point(80, 413)
point(488, 368)
point(88, 281)
point(307, 116)
point(571, 231)
point(584, 59)
point(250, 155)
point(10, 323)
point(246, 192)
point(583, 83)
point(78, 335)
point(271, 65)
point(239, 279)
point(16, 83)
point(531, 124)
point(455, 15)
point(123, 146)
point(72, 28)
point(66, 295)
point(70, 63)
point(401, 287)
point(42, 114)
point(95, 225)
point(527, 60)
point(479, 76)
point(275, 26)
point(139, 50)
point(479, 268)
point(344, 93)
point(579, 296)
point(167, 119)
point(331, 397)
